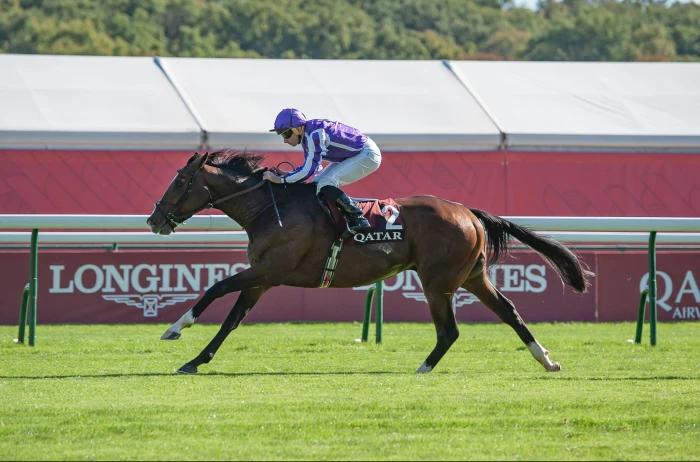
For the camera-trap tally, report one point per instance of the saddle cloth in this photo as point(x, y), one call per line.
point(384, 216)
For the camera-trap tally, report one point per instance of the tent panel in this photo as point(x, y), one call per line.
point(589, 104)
point(90, 101)
point(242, 96)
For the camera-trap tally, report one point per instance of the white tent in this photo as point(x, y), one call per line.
point(558, 105)
point(88, 102)
point(403, 105)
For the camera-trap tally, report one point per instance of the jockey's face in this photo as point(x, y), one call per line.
point(295, 137)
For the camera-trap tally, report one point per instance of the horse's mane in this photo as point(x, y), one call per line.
point(242, 163)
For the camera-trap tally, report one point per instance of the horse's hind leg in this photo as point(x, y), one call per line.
point(483, 289)
point(246, 301)
point(445, 328)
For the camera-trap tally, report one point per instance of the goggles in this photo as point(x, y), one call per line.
point(286, 133)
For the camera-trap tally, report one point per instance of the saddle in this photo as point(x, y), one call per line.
point(384, 217)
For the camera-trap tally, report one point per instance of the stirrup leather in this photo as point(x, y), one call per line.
point(331, 264)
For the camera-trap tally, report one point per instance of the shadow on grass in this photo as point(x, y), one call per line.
point(328, 374)
point(200, 374)
point(617, 379)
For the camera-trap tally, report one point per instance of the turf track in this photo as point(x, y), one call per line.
point(309, 391)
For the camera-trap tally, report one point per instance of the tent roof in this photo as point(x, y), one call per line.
point(589, 105)
point(68, 102)
point(89, 102)
point(403, 105)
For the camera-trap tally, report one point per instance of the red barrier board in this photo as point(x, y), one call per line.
point(504, 183)
point(94, 182)
point(603, 184)
point(158, 286)
point(501, 182)
point(621, 279)
point(467, 177)
point(108, 182)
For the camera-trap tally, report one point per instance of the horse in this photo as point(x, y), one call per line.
point(449, 245)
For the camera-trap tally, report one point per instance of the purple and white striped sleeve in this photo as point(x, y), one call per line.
point(317, 142)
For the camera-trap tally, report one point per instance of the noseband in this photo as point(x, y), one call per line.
point(174, 220)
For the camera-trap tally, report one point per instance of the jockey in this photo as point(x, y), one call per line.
point(352, 156)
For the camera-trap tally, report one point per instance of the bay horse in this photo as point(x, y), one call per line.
point(447, 244)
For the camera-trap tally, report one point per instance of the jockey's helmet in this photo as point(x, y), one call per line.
point(288, 118)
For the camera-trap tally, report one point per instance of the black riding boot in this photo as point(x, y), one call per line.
point(357, 223)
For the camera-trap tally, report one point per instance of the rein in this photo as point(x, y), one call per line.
point(212, 203)
point(247, 190)
point(173, 219)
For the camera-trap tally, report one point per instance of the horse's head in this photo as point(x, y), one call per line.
point(207, 180)
point(186, 195)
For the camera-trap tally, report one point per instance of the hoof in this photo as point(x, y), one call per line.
point(187, 369)
point(549, 365)
point(424, 369)
point(554, 367)
point(170, 335)
point(173, 332)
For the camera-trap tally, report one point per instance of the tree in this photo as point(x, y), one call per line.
point(589, 34)
point(367, 29)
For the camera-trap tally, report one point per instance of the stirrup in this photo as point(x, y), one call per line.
point(360, 225)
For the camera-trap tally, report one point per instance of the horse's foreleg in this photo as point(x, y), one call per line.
point(246, 301)
point(174, 331)
point(248, 278)
point(485, 291)
point(445, 328)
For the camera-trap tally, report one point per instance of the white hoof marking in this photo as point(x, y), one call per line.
point(542, 356)
point(173, 332)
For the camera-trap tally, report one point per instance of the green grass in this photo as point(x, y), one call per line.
point(309, 391)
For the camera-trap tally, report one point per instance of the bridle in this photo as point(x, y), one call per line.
point(174, 220)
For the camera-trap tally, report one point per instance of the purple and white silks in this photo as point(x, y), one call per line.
point(329, 140)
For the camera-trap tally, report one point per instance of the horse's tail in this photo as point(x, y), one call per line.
point(565, 263)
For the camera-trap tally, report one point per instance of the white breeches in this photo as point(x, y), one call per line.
point(351, 169)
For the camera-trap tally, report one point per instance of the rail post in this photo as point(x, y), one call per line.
point(374, 293)
point(652, 288)
point(368, 313)
point(23, 314)
point(379, 314)
point(27, 310)
point(640, 315)
point(650, 292)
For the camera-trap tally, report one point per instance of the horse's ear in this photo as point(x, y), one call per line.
point(204, 159)
point(192, 158)
point(198, 161)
